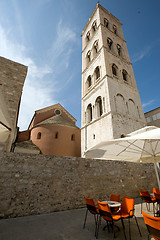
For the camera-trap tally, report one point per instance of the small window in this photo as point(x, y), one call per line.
point(106, 22)
point(89, 56)
point(89, 113)
point(99, 106)
point(115, 29)
point(89, 81)
point(94, 136)
point(114, 70)
point(88, 36)
point(39, 135)
point(56, 135)
point(57, 112)
point(119, 49)
point(97, 72)
point(73, 137)
point(109, 42)
point(95, 45)
point(94, 26)
point(125, 75)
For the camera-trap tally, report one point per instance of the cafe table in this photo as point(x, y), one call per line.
point(114, 206)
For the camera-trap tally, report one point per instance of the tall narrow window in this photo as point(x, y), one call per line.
point(106, 22)
point(56, 135)
point(125, 75)
point(97, 72)
point(119, 49)
point(95, 45)
point(39, 135)
point(89, 56)
point(73, 137)
point(89, 81)
point(115, 29)
point(114, 70)
point(109, 42)
point(99, 106)
point(89, 113)
point(94, 26)
point(88, 36)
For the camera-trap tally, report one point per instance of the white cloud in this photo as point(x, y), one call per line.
point(62, 44)
point(36, 92)
point(145, 51)
point(140, 55)
point(148, 103)
point(39, 88)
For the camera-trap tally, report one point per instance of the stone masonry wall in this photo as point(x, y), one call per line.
point(36, 184)
point(12, 77)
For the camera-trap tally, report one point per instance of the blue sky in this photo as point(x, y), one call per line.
point(45, 35)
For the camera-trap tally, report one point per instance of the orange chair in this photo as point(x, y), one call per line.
point(91, 207)
point(105, 213)
point(153, 226)
point(145, 196)
point(115, 197)
point(156, 190)
point(127, 212)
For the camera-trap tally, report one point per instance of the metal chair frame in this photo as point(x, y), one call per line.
point(110, 222)
point(93, 210)
point(130, 215)
point(145, 197)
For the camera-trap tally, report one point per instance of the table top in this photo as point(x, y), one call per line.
point(113, 203)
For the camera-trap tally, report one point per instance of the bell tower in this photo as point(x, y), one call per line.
point(111, 106)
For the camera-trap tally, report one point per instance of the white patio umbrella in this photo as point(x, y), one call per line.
point(142, 145)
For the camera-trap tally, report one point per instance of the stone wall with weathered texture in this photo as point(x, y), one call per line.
point(12, 77)
point(35, 184)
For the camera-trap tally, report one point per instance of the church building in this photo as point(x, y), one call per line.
point(111, 105)
point(52, 131)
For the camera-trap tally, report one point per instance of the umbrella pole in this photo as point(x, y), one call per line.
point(156, 170)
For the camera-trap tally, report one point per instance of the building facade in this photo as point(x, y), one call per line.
point(153, 117)
point(111, 105)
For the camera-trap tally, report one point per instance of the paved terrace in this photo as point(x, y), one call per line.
point(67, 225)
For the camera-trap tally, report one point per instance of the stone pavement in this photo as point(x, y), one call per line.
point(66, 225)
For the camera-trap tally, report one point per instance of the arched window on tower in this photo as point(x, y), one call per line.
point(97, 72)
point(99, 108)
point(120, 104)
point(132, 108)
point(106, 22)
point(119, 50)
point(94, 26)
point(89, 113)
point(88, 36)
point(109, 42)
point(89, 56)
point(89, 81)
point(115, 29)
point(114, 70)
point(125, 75)
point(95, 46)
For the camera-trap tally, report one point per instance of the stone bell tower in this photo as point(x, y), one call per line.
point(111, 106)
